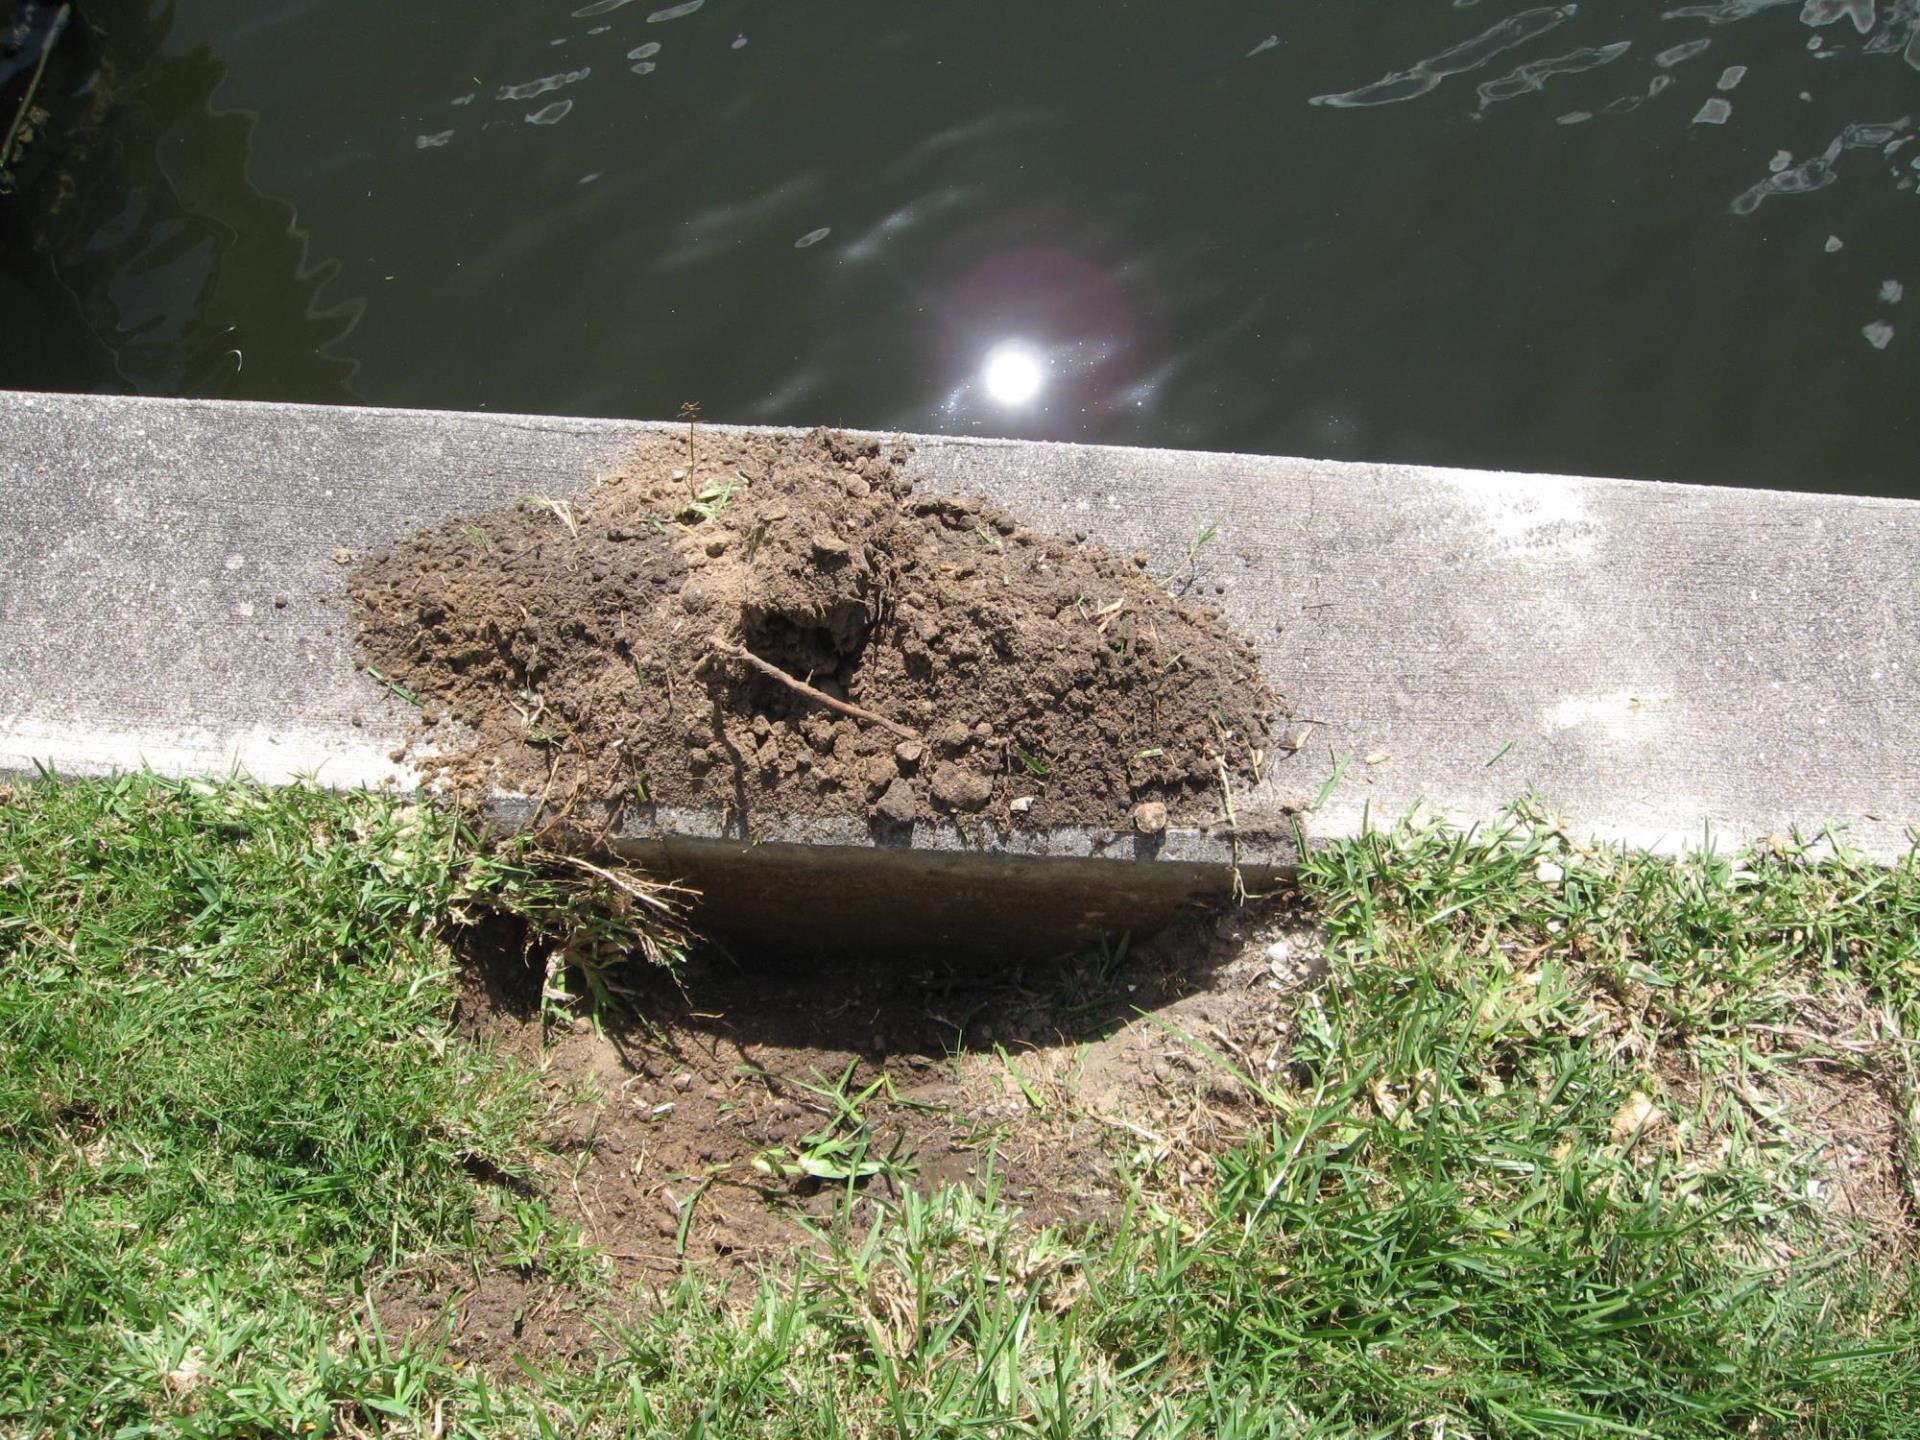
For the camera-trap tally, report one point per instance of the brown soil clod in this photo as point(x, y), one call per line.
point(793, 628)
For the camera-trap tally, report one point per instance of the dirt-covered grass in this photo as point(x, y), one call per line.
point(1551, 1140)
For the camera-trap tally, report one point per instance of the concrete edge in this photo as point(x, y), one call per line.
point(1669, 663)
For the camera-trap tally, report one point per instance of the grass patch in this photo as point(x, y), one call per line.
point(228, 1095)
point(1544, 1159)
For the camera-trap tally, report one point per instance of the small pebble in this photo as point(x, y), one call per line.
point(879, 773)
point(960, 789)
point(898, 804)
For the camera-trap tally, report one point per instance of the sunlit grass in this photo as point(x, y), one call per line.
point(1539, 1163)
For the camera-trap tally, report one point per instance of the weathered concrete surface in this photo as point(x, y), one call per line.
point(1657, 661)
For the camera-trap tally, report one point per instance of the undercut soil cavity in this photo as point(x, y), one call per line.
point(774, 624)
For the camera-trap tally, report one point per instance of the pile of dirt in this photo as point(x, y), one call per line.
point(776, 624)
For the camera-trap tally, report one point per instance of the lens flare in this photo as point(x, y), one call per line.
point(1013, 375)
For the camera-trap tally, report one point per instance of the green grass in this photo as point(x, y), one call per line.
point(1536, 1166)
point(226, 1092)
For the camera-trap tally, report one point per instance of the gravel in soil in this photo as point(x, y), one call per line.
point(764, 623)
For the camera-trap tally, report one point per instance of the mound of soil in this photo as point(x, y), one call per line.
point(780, 624)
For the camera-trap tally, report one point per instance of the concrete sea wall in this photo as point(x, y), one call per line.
point(1660, 662)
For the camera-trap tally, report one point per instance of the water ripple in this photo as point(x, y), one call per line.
point(1825, 12)
point(1678, 54)
point(1727, 12)
point(1823, 169)
point(1426, 75)
point(541, 86)
point(1533, 75)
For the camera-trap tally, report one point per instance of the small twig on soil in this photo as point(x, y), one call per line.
point(690, 412)
point(774, 672)
point(1226, 791)
point(1233, 830)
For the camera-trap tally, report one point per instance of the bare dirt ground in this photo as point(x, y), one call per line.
point(1064, 1077)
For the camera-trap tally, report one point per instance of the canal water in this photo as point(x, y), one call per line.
point(1673, 241)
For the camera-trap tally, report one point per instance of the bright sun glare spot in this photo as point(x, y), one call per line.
point(1013, 374)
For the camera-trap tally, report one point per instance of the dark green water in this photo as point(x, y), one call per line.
point(1670, 242)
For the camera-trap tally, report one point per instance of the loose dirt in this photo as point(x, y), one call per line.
point(768, 623)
